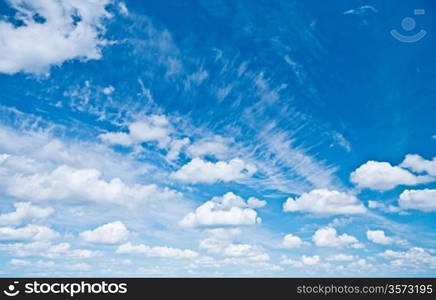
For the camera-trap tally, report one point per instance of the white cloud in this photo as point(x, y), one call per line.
point(253, 202)
point(153, 128)
point(383, 176)
point(424, 200)
point(383, 207)
point(228, 210)
point(79, 267)
point(325, 202)
point(67, 183)
point(379, 237)
point(123, 8)
point(292, 241)
point(28, 233)
point(25, 212)
point(216, 146)
point(110, 233)
point(71, 30)
point(201, 171)
point(328, 237)
point(218, 239)
point(310, 260)
point(150, 129)
point(47, 249)
point(341, 257)
point(414, 257)
point(303, 261)
point(418, 164)
point(246, 251)
point(158, 251)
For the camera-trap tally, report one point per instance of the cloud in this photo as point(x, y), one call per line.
point(246, 251)
point(383, 207)
point(341, 257)
point(418, 164)
point(228, 210)
point(379, 237)
point(25, 212)
point(423, 200)
point(68, 183)
point(292, 241)
point(27, 233)
point(415, 257)
point(153, 128)
point(218, 239)
point(303, 261)
point(47, 249)
point(201, 171)
point(160, 252)
point(325, 202)
point(328, 237)
point(361, 10)
point(64, 30)
point(216, 146)
point(383, 176)
point(150, 129)
point(110, 233)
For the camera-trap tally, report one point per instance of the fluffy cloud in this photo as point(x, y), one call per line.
point(383, 207)
point(201, 171)
point(161, 252)
point(424, 200)
point(153, 128)
point(25, 212)
point(325, 202)
point(28, 233)
point(218, 239)
point(292, 241)
point(418, 164)
point(81, 184)
point(303, 261)
point(47, 249)
point(341, 257)
point(64, 30)
point(246, 251)
point(383, 176)
point(216, 146)
point(379, 237)
point(110, 233)
point(228, 210)
point(328, 237)
point(413, 257)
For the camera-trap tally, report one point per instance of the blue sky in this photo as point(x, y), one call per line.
point(216, 138)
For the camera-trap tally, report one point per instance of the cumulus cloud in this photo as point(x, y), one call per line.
point(418, 164)
point(25, 212)
point(150, 129)
point(292, 241)
point(303, 261)
point(158, 251)
point(379, 237)
point(201, 171)
point(216, 146)
point(68, 183)
point(228, 210)
point(414, 257)
point(325, 202)
point(27, 233)
point(218, 239)
point(383, 207)
point(110, 233)
point(328, 237)
point(47, 249)
point(423, 200)
point(246, 251)
point(64, 30)
point(341, 257)
point(383, 176)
